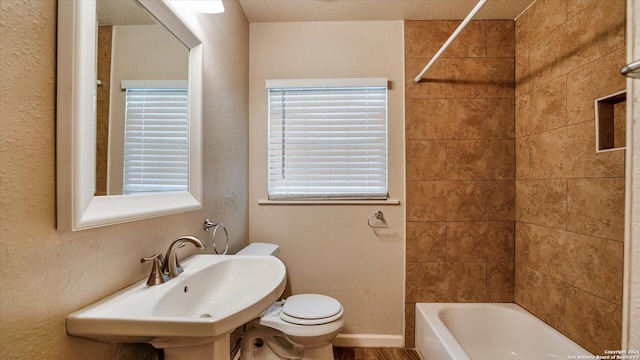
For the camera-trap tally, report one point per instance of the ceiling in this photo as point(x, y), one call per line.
point(361, 10)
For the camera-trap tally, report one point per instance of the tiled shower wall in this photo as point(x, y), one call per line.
point(105, 34)
point(460, 154)
point(569, 200)
point(462, 159)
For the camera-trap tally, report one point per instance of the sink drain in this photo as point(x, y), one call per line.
point(205, 316)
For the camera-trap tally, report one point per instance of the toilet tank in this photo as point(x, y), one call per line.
point(260, 248)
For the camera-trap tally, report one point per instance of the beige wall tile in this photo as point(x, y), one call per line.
point(480, 241)
point(501, 38)
point(424, 38)
point(480, 77)
point(446, 119)
point(522, 73)
point(595, 206)
point(591, 34)
point(433, 81)
point(102, 153)
point(549, 153)
point(586, 83)
point(539, 20)
point(470, 41)
point(446, 282)
point(620, 124)
point(103, 72)
point(542, 109)
point(570, 152)
point(522, 158)
point(542, 202)
point(583, 161)
point(586, 262)
point(575, 6)
point(426, 159)
point(466, 119)
point(446, 200)
point(541, 295)
point(409, 324)
point(501, 118)
point(423, 118)
point(542, 249)
point(480, 108)
point(426, 241)
point(595, 266)
point(502, 159)
point(480, 159)
point(500, 281)
point(501, 200)
point(101, 185)
point(587, 50)
point(592, 322)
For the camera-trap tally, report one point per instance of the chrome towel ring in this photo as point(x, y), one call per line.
point(378, 215)
point(207, 224)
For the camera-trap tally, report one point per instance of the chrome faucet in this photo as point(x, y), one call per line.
point(171, 267)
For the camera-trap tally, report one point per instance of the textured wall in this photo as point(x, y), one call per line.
point(460, 156)
point(330, 249)
point(45, 274)
point(569, 200)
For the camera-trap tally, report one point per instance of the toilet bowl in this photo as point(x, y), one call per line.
point(299, 327)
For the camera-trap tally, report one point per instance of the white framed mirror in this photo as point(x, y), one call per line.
point(78, 206)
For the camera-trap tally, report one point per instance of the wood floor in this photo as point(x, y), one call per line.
point(349, 353)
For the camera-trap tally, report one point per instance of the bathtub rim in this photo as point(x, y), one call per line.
point(431, 315)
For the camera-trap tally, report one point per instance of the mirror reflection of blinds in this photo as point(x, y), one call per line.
point(156, 146)
point(328, 143)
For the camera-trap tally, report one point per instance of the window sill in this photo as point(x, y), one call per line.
point(329, 202)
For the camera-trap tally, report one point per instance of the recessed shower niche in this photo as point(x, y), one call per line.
point(611, 123)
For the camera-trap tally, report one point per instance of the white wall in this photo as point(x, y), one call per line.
point(46, 274)
point(329, 249)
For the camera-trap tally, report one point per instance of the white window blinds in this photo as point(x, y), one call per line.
point(156, 146)
point(327, 140)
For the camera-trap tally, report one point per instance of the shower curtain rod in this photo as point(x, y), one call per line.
point(453, 36)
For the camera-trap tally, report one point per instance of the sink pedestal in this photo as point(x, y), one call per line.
point(217, 350)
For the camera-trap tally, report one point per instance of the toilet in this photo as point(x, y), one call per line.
point(299, 327)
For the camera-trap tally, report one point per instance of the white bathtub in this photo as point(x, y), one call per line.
point(488, 332)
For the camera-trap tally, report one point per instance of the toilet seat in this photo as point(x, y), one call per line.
point(310, 323)
point(311, 309)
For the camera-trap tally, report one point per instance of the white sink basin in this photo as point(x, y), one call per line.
point(214, 295)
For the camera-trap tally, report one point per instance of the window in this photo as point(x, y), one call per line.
point(156, 144)
point(327, 139)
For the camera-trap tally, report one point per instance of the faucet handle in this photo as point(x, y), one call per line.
point(156, 277)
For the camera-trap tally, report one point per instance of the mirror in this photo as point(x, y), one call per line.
point(77, 205)
point(141, 147)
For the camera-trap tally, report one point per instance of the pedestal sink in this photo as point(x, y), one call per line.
point(192, 315)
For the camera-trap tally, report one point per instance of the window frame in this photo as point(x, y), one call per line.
point(329, 198)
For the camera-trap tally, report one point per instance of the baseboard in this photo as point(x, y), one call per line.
point(368, 340)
